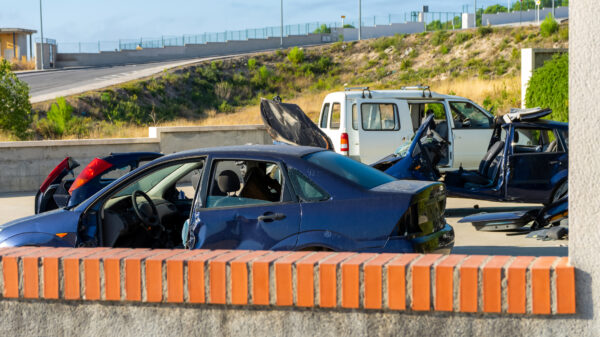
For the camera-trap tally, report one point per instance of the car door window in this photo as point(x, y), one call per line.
point(325, 115)
point(526, 140)
point(305, 188)
point(467, 115)
point(236, 183)
point(354, 117)
point(379, 117)
point(336, 112)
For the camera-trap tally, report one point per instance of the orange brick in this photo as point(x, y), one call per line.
point(284, 289)
point(260, 277)
point(469, 283)
point(10, 265)
point(50, 267)
point(305, 278)
point(218, 275)
point(444, 282)
point(540, 285)
point(421, 281)
point(72, 286)
point(328, 279)
point(396, 270)
point(239, 277)
point(175, 275)
point(112, 273)
point(154, 274)
point(196, 275)
point(351, 280)
point(31, 274)
point(133, 273)
point(565, 287)
point(91, 272)
point(373, 281)
point(517, 284)
point(492, 284)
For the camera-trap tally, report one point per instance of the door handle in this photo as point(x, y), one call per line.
point(270, 216)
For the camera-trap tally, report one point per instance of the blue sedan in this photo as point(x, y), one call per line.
point(275, 197)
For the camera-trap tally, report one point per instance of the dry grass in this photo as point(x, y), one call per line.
point(22, 65)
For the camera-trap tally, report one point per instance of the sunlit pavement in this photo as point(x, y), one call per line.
point(468, 240)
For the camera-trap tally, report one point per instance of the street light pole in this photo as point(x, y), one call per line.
point(359, 19)
point(42, 41)
point(281, 36)
point(475, 19)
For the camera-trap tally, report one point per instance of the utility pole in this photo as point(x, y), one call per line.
point(42, 41)
point(475, 19)
point(553, 10)
point(359, 19)
point(281, 36)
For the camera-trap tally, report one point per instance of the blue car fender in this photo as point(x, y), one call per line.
point(40, 239)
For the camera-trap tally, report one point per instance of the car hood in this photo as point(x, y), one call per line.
point(287, 123)
point(52, 222)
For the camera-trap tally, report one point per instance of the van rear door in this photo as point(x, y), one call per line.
point(383, 126)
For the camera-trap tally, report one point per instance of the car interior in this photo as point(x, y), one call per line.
point(419, 111)
point(150, 211)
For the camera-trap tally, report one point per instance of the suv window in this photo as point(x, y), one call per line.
point(467, 115)
point(305, 188)
point(244, 183)
point(379, 117)
point(527, 140)
point(354, 116)
point(325, 115)
point(336, 111)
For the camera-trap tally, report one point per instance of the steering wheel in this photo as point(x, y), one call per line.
point(142, 211)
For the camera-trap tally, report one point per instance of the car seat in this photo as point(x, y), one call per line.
point(485, 175)
point(229, 183)
point(258, 186)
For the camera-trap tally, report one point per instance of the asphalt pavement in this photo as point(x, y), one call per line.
point(468, 240)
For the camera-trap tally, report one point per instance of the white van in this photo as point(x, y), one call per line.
point(368, 125)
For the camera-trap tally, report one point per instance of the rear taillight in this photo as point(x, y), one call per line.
point(344, 144)
point(94, 169)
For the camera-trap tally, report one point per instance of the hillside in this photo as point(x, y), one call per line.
point(482, 64)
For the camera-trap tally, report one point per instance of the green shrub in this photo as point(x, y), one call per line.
point(323, 29)
point(515, 54)
point(563, 33)
point(549, 87)
point(439, 37)
point(444, 50)
point(549, 26)
point(15, 109)
point(296, 55)
point(484, 30)
point(59, 115)
point(462, 37)
point(405, 64)
point(251, 64)
point(383, 43)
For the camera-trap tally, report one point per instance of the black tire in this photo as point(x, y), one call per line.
point(560, 192)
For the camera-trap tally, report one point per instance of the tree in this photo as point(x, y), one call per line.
point(323, 29)
point(549, 87)
point(15, 109)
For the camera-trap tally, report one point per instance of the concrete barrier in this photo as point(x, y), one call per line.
point(24, 165)
point(522, 16)
point(239, 284)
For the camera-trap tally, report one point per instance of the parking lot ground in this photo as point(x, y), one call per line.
point(468, 240)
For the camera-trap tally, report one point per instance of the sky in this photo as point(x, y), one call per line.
point(109, 20)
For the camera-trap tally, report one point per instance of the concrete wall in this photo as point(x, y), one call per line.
point(100, 291)
point(523, 16)
point(50, 55)
point(24, 165)
point(351, 34)
point(531, 59)
point(185, 52)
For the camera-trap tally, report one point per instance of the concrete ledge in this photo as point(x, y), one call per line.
point(389, 282)
point(77, 142)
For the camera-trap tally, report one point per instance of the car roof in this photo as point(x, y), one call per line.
point(391, 94)
point(280, 151)
point(541, 122)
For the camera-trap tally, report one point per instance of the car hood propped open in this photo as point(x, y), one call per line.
point(287, 123)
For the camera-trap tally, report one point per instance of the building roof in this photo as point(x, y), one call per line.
point(17, 30)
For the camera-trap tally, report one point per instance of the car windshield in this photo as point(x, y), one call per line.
point(349, 169)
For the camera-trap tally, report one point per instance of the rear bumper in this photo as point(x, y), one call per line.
point(440, 242)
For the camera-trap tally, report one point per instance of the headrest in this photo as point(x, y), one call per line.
point(516, 137)
point(228, 181)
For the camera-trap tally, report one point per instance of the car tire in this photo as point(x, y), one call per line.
point(560, 192)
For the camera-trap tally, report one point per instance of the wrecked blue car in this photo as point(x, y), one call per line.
point(257, 197)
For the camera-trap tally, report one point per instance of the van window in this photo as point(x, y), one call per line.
point(336, 111)
point(325, 115)
point(379, 117)
point(354, 116)
point(466, 115)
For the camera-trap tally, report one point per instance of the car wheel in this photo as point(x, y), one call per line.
point(561, 191)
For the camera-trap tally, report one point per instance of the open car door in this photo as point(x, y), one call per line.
point(52, 193)
point(287, 123)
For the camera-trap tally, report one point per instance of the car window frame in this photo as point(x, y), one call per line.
point(535, 127)
point(397, 122)
point(325, 112)
point(206, 180)
point(331, 111)
point(316, 185)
